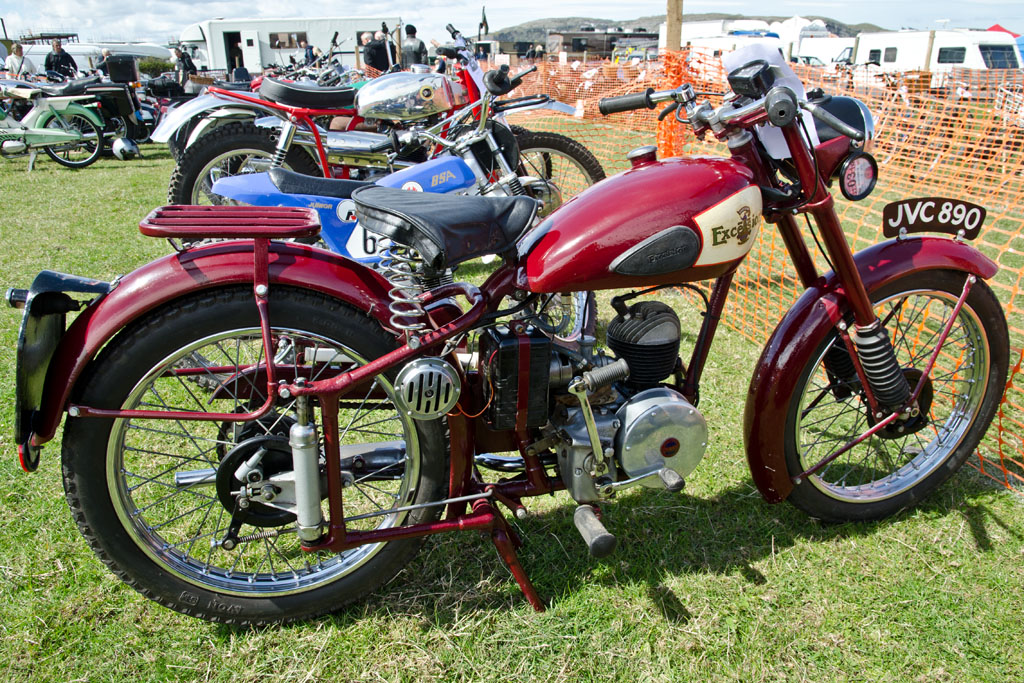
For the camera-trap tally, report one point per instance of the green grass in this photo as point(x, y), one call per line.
point(709, 584)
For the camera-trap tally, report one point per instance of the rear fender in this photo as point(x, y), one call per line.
point(69, 109)
point(178, 275)
point(804, 327)
point(46, 304)
point(205, 106)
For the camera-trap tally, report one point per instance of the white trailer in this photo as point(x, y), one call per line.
point(937, 51)
point(255, 43)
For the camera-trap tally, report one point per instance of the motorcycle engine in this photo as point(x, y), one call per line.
point(643, 427)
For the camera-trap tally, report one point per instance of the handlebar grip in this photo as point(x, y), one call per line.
point(518, 80)
point(451, 29)
point(835, 123)
point(449, 52)
point(638, 100)
point(335, 38)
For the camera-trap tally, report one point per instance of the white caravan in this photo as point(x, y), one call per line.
point(255, 43)
point(937, 51)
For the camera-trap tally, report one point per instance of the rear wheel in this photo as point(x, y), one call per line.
point(234, 149)
point(156, 498)
point(79, 153)
point(899, 465)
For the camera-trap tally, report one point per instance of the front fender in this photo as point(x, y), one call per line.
point(199, 106)
point(804, 327)
point(181, 274)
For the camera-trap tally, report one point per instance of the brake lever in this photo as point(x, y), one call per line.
point(668, 110)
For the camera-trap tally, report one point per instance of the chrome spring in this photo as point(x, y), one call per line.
point(400, 265)
point(277, 161)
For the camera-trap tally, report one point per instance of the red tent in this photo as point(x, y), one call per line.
point(997, 27)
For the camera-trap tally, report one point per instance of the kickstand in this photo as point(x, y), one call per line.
point(32, 159)
point(506, 541)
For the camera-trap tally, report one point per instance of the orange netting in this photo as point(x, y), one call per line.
point(961, 135)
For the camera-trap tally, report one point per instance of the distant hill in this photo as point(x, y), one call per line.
point(536, 31)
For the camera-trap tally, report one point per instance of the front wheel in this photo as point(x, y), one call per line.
point(233, 149)
point(899, 465)
point(78, 153)
point(156, 499)
point(555, 168)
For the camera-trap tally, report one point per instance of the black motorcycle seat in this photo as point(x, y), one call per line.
point(240, 86)
point(445, 229)
point(310, 96)
point(290, 182)
point(75, 87)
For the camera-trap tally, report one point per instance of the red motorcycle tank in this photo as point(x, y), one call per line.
point(677, 220)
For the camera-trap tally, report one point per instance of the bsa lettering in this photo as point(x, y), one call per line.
point(442, 178)
point(739, 232)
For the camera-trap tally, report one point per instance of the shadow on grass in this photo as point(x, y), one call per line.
point(660, 534)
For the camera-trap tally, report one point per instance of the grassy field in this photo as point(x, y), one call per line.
point(709, 584)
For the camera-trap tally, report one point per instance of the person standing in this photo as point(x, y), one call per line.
point(183, 65)
point(102, 65)
point(375, 52)
point(17, 64)
point(60, 61)
point(414, 51)
point(307, 51)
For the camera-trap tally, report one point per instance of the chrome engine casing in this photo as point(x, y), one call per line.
point(659, 429)
point(406, 96)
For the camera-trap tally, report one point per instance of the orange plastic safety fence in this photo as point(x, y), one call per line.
point(963, 139)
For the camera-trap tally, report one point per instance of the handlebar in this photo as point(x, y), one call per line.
point(776, 104)
point(498, 82)
point(621, 103)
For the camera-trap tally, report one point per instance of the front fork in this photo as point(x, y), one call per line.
point(886, 387)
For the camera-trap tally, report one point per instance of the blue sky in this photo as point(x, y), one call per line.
point(162, 19)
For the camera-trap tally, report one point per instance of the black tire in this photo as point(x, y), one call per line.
point(566, 165)
point(77, 154)
point(155, 533)
point(226, 151)
point(894, 470)
point(176, 143)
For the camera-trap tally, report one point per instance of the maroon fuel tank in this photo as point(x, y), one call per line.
point(677, 220)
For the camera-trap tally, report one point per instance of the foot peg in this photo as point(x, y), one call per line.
point(598, 540)
point(671, 479)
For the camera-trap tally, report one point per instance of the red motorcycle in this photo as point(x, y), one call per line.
point(262, 431)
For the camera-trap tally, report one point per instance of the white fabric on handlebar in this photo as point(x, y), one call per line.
point(771, 137)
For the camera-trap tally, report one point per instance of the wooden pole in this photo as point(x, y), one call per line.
point(673, 24)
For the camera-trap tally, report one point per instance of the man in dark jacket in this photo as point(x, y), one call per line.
point(375, 52)
point(183, 65)
point(60, 61)
point(413, 49)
